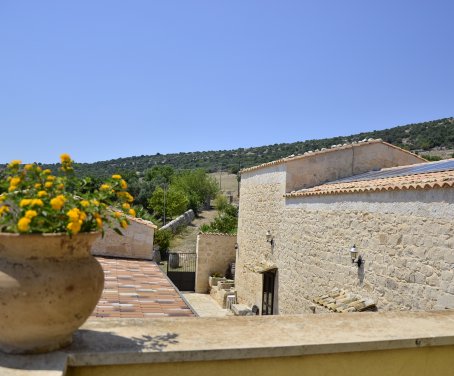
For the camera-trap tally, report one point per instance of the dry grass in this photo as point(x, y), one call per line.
point(186, 241)
point(229, 184)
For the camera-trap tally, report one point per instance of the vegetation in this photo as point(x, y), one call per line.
point(34, 200)
point(162, 239)
point(226, 221)
point(181, 191)
point(420, 137)
point(175, 200)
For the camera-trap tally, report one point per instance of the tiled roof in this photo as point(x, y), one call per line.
point(142, 221)
point(441, 179)
point(137, 289)
point(310, 154)
point(342, 301)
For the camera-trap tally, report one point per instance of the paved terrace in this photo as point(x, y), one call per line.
point(137, 289)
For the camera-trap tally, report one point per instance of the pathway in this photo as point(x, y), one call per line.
point(205, 306)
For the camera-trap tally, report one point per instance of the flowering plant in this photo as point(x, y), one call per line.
point(36, 201)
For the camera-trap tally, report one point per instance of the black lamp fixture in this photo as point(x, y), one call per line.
point(269, 238)
point(358, 260)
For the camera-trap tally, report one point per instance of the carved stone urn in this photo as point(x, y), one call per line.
point(49, 286)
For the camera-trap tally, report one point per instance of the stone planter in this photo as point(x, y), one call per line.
point(213, 281)
point(49, 286)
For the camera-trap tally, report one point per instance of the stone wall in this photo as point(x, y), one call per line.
point(351, 160)
point(136, 242)
point(261, 209)
point(182, 220)
point(214, 253)
point(405, 237)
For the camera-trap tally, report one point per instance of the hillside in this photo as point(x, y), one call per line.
point(429, 138)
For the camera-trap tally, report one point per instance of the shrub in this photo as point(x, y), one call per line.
point(162, 238)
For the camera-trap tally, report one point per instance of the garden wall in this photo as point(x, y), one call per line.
point(182, 220)
point(214, 253)
point(136, 242)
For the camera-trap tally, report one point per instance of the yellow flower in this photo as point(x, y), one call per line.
point(73, 214)
point(39, 169)
point(28, 167)
point(74, 227)
point(14, 181)
point(2, 197)
point(48, 184)
point(50, 178)
point(60, 186)
point(37, 202)
point(12, 188)
point(14, 163)
point(85, 203)
point(123, 184)
point(99, 222)
point(126, 206)
point(95, 202)
point(65, 158)
point(30, 214)
point(24, 224)
point(38, 186)
point(132, 212)
point(124, 224)
point(126, 196)
point(42, 193)
point(25, 202)
point(105, 187)
point(117, 214)
point(117, 177)
point(58, 202)
point(4, 209)
point(47, 172)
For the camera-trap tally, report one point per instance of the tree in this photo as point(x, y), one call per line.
point(199, 187)
point(176, 202)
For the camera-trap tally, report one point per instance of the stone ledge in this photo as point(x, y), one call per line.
point(133, 341)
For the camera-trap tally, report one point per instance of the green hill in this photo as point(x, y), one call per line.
point(424, 138)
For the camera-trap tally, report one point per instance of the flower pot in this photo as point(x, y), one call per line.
point(49, 286)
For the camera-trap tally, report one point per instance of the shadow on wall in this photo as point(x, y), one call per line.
point(86, 341)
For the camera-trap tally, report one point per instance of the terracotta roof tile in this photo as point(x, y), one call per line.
point(139, 289)
point(342, 301)
point(441, 179)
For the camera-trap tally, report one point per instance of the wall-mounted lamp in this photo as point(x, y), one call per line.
point(358, 260)
point(269, 238)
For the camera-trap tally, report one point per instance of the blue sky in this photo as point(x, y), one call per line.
point(109, 79)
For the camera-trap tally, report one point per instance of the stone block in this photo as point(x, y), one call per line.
point(241, 310)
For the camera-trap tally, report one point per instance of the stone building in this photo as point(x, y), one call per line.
point(300, 216)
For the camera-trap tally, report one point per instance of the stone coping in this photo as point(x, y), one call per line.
point(141, 341)
point(217, 234)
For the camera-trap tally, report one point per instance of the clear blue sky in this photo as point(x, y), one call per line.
point(109, 79)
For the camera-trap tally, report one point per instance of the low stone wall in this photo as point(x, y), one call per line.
point(214, 253)
point(358, 344)
point(136, 242)
point(182, 220)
